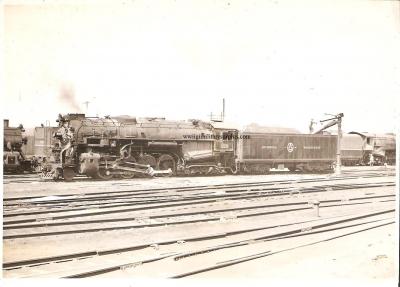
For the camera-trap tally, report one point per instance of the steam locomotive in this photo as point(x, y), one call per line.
point(14, 160)
point(126, 146)
point(360, 148)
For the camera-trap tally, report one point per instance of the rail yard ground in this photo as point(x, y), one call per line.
point(276, 227)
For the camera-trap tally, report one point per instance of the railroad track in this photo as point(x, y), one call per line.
point(29, 178)
point(36, 208)
point(243, 202)
point(99, 234)
point(69, 198)
point(97, 262)
point(176, 219)
point(160, 217)
point(330, 234)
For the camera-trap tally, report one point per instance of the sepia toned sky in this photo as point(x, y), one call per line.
point(276, 62)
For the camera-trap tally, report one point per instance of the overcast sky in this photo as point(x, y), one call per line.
point(275, 62)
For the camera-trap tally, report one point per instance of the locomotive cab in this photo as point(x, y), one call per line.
point(225, 141)
point(224, 147)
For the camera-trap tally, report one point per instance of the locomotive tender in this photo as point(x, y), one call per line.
point(126, 146)
point(264, 148)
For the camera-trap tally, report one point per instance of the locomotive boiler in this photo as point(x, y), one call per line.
point(126, 146)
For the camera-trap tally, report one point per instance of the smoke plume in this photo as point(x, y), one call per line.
point(67, 96)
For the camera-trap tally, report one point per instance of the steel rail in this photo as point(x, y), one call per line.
point(238, 260)
point(61, 258)
point(176, 222)
point(197, 187)
point(169, 215)
point(188, 201)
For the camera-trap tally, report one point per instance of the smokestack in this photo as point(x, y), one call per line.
point(6, 123)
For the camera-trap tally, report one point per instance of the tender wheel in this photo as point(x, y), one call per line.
point(68, 174)
point(104, 174)
point(166, 162)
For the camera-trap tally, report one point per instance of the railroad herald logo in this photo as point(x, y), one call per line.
point(290, 147)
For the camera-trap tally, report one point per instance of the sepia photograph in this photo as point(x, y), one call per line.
point(173, 142)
